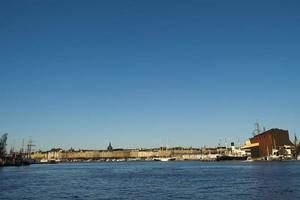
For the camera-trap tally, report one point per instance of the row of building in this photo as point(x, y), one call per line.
point(272, 144)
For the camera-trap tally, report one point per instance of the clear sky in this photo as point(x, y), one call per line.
point(140, 73)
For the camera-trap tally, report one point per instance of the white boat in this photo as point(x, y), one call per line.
point(44, 160)
point(164, 159)
point(249, 159)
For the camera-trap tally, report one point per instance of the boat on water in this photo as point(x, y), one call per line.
point(164, 159)
point(46, 161)
point(273, 158)
point(249, 159)
point(16, 163)
point(231, 158)
point(233, 154)
point(16, 159)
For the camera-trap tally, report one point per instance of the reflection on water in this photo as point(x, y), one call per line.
point(153, 180)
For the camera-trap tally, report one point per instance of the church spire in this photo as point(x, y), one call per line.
point(109, 148)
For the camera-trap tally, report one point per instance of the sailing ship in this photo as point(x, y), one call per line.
point(165, 158)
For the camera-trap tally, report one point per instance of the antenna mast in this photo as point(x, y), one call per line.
point(257, 129)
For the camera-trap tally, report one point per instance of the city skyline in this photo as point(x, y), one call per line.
point(137, 73)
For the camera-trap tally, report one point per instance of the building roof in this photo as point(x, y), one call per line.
point(279, 136)
point(271, 131)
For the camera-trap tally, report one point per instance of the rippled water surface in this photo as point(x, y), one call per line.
point(153, 180)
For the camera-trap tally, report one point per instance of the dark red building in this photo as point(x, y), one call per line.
point(263, 144)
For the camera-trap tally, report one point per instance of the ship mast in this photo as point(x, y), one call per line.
point(29, 148)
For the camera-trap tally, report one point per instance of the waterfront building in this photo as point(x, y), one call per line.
point(274, 142)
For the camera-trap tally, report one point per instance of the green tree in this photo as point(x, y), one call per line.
point(3, 140)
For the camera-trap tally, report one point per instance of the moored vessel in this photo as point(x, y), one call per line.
point(164, 159)
point(231, 158)
point(51, 161)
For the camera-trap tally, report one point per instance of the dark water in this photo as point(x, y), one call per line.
point(153, 180)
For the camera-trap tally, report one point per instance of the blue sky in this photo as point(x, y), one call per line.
point(140, 73)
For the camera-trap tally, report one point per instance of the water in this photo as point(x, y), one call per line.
point(153, 180)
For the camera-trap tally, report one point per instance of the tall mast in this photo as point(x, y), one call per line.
point(29, 148)
point(257, 129)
